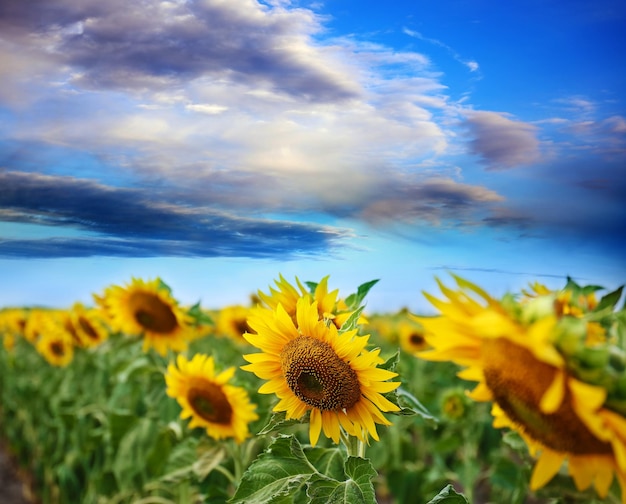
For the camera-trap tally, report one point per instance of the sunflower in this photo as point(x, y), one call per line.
point(148, 309)
point(231, 322)
point(328, 304)
point(411, 336)
point(37, 319)
point(8, 341)
point(12, 324)
point(55, 344)
point(312, 367)
point(518, 368)
point(223, 410)
point(89, 325)
point(13, 321)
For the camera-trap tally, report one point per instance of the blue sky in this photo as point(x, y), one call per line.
point(219, 143)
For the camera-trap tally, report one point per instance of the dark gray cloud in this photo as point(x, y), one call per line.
point(502, 142)
point(135, 223)
point(430, 200)
point(153, 44)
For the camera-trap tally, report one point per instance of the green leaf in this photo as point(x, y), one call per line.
point(352, 321)
point(209, 459)
point(391, 363)
point(579, 289)
point(277, 422)
point(162, 285)
point(328, 461)
point(133, 450)
point(357, 489)
point(410, 405)
point(609, 300)
point(199, 316)
point(156, 459)
point(182, 461)
point(139, 365)
point(312, 286)
point(515, 441)
point(277, 475)
point(354, 300)
point(448, 496)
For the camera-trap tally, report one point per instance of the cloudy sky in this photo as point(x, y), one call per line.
point(218, 143)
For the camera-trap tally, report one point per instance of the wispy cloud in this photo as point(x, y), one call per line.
point(472, 65)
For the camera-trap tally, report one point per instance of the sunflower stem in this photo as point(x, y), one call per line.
point(241, 454)
point(354, 446)
point(227, 473)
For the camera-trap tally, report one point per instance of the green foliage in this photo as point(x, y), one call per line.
point(101, 427)
point(288, 473)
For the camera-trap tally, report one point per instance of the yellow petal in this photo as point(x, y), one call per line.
point(603, 480)
point(471, 374)
point(330, 423)
point(553, 396)
point(582, 471)
point(481, 393)
point(546, 468)
point(271, 387)
point(315, 426)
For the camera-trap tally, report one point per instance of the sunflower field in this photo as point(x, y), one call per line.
point(302, 396)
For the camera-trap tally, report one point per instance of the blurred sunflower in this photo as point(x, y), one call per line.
point(12, 324)
point(231, 322)
point(13, 321)
point(148, 309)
point(8, 341)
point(411, 336)
point(518, 367)
point(33, 327)
point(223, 410)
point(89, 325)
point(55, 345)
point(312, 367)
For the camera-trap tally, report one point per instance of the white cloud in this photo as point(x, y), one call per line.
point(472, 65)
point(206, 108)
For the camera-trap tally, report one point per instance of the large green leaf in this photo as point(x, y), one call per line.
point(357, 489)
point(328, 461)
point(276, 475)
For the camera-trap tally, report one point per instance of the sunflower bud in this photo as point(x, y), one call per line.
point(537, 308)
point(455, 404)
point(570, 335)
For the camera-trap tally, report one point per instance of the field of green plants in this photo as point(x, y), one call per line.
point(302, 396)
